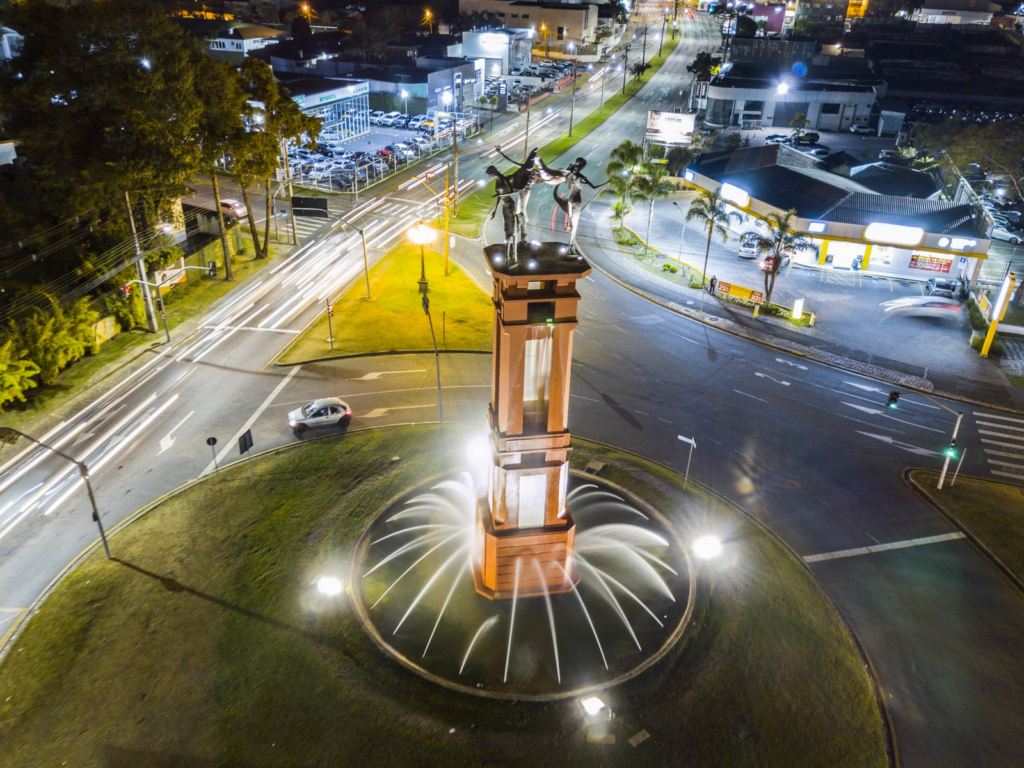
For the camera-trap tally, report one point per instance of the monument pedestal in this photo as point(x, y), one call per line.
point(525, 532)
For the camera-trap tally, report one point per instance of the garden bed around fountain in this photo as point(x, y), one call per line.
point(207, 643)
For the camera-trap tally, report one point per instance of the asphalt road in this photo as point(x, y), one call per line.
point(809, 450)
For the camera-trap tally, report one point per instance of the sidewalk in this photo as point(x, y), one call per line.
point(597, 243)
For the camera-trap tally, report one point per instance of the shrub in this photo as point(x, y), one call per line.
point(998, 349)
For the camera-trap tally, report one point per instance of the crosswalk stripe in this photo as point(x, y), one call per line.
point(1003, 445)
point(1007, 474)
point(1005, 453)
point(1001, 418)
point(999, 434)
point(1001, 426)
point(1006, 464)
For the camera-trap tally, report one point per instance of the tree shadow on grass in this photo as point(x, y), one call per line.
point(173, 585)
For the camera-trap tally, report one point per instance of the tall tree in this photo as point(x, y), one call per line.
point(623, 163)
point(17, 372)
point(650, 186)
point(714, 214)
point(704, 66)
point(996, 147)
point(276, 120)
point(104, 97)
point(782, 240)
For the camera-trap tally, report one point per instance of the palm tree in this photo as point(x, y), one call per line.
point(714, 215)
point(781, 241)
point(650, 186)
point(799, 122)
point(622, 165)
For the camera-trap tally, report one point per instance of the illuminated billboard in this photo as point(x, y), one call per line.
point(671, 127)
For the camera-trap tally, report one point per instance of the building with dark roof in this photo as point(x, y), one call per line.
point(880, 218)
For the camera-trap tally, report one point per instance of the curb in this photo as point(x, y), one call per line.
point(907, 381)
point(937, 506)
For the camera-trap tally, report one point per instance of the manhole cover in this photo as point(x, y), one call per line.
point(713, 319)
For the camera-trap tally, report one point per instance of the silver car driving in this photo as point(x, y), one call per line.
point(325, 412)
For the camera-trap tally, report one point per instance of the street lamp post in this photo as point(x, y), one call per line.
point(366, 260)
point(661, 40)
point(682, 235)
point(572, 104)
point(405, 101)
point(625, 69)
point(10, 436)
point(422, 235)
point(437, 360)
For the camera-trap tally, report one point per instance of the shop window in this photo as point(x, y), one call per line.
point(881, 256)
point(753, 106)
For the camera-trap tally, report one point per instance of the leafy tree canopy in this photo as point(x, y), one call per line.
point(704, 66)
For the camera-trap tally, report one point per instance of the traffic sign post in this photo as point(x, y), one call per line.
point(244, 444)
point(693, 444)
point(212, 441)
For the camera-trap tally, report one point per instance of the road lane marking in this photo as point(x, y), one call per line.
point(252, 420)
point(640, 412)
point(246, 328)
point(883, 547)
point(377, 374)
point(790, 362)
point(168, 440)
point(878, 412)
point(376, 413)
point(898, 444)
point(665, 420)
point(746, 395)
point(766, 376)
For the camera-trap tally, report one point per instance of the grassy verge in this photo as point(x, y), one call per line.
point(688, 276)
point(204, 643)
point(45, 406)
point(393, 319)
point(476, 206)
point(993, 512)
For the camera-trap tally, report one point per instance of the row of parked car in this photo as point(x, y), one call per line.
point(1008, 223)
point(332, 162)
point(401, 120)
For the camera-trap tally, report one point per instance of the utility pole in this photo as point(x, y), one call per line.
point(437, 358)
point(949, 451)
point(291, 208)
point(572, 104)
point(140, 265)
point(220, 220)
point(603, 78)
point(661, 42)
point(455, 173)
point(625, 69)
point(643, 53)
point(526, 140)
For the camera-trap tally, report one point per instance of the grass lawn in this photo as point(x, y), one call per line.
point(993, 512)
point(476, 206)
point(393, 319)
point(205, 643)
point(45, 406)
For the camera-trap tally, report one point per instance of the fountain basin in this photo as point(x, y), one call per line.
point(413, 589)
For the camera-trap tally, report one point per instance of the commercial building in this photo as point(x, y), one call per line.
point(749, 97)
point(501, 49)
point(238, 42)
point(854, 225)
point(556, 23)
point(343, 105)
point(956, 12)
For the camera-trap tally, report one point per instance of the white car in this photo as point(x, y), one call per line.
point(325, 412)
point(1000, 232)
point(747, 249)
point(375, 117)
point(389, 118)
point(865, 130)
point(923, 306)
point(233, 208)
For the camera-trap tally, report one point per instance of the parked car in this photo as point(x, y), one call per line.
point(888, 154)
point(375, 117)
point(326, 412)
point(922, 306)
point(402, 121)
point(864, 130)
point(747, 249)
point(776, 138)
point(389, 118)
point(809, 137)
point(233, 208)
point(941, 286)
point(1001, 232)
point(417, 122)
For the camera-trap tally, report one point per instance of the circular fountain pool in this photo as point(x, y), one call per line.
point(412, 583)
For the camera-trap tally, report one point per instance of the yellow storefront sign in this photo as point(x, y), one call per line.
point(740, 292)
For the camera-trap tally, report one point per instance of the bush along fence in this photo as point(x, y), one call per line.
point(35, 350)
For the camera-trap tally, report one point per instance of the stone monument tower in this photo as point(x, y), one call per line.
point(525, 516)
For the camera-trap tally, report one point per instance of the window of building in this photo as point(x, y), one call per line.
point(561, 33)
point(526, 15)
point(515, 15)
point(830, 109)
point(500, 15)
point(753, 106)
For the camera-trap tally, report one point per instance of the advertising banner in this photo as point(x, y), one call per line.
point(671, 127)
point(929, 263)
point(740, 292)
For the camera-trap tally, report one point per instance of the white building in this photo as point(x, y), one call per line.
point(237, 43)
point(955, 12)
point(10, 43)
point(556, 23)
point(761, 102)
point(501, 49)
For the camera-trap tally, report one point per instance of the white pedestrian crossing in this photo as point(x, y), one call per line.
point(1002, 441)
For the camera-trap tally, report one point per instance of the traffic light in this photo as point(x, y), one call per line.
point(212, 269)
point(126, 290)
point(894, 397)
point(951, 449)
point(330, 310)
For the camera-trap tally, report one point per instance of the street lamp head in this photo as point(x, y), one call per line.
point(146, 63)
point(421, 234)
point(707, 547)
point(782, 88)
point(405, 94)
point(331, 586)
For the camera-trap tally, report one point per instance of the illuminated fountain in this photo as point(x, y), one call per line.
point(485, 579)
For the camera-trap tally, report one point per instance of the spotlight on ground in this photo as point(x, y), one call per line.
point(707, 547)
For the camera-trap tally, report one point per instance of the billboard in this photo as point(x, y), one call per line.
point(671, 127)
